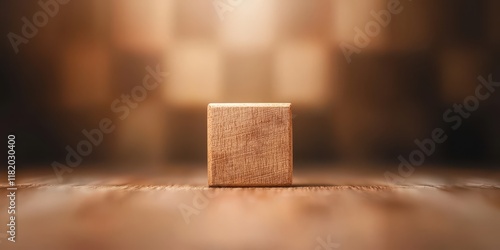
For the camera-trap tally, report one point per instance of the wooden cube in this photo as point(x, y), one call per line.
point(249, 144)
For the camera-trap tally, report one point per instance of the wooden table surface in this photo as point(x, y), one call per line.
point(327, 208)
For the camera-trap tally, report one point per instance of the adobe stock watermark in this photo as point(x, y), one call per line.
point(327, 244)
point(372, 28)
point(453, 116)
point(49, 9)
point(122, 107)
point(224, 7)
point(200, 201)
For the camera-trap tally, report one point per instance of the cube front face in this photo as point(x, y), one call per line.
point(249, 144)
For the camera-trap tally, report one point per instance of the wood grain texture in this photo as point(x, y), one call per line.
point(249, 144)
point(346, 204)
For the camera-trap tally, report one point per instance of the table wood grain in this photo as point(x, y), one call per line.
point(172, 207)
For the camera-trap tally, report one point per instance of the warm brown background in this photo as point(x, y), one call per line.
point(348, 119)
point(372, 109)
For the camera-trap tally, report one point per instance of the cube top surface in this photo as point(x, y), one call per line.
point(262, 105)
point(249, 144)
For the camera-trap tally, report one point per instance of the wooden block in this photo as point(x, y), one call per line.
point(249, 144)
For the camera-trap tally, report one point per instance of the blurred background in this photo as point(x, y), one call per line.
point(87, 54)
